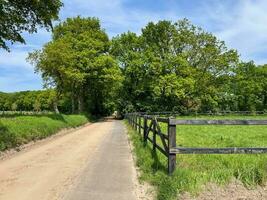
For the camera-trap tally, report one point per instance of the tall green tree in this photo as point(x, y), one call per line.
point(173, 66)
point(249, 85)
point(77, 61)
point(262, 78)
point(17, 17)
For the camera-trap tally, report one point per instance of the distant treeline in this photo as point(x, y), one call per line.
point(170, 66)
point(43, 100)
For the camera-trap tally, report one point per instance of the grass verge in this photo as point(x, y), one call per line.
point(194, 171)
point(16, 130)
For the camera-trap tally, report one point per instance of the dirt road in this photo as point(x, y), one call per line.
point(56, 169)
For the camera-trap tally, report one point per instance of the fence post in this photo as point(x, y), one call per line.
point(154, 133)
point(171, 144)
point(145, 127)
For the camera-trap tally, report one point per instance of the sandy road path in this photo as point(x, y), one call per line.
point(111, 176)
point(53, 169)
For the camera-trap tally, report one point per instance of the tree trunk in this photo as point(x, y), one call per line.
point(72, 103)
point(56, 107)
point(97, 100)
point(55, 103)
point(81, 102)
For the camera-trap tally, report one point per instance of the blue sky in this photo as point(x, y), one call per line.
point(240, 23)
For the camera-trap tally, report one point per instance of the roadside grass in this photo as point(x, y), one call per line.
point(16, 130)
point(194, 171)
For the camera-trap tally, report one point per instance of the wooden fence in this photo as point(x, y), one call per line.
point(146, 124)
point(209, 113)
point(3, 113)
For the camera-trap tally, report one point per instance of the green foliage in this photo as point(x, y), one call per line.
point(77, 62)
point(172, 66)
point(32, 101)
point(250, 85)
point(16, 130)
point(194, 171)
point(168, 67)
point(25, 15)
point(14, 106)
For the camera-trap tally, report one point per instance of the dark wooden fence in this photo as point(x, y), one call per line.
point(146, 124)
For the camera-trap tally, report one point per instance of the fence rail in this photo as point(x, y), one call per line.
point(209, 113)
point(146, 124)
point(8, 112)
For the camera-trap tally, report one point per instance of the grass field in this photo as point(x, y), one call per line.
point(16, 130)
point(194, 171)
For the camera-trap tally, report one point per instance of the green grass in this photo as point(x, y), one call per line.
point(194, 171)
point(16, 130)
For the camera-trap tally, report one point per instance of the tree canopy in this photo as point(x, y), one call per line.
point(31, 101)
point(17, 17)
point(77, 61)
point(169, 66)
point(173, 66)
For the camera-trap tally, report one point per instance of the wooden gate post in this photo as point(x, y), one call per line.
point(171, 144)
point(145, 127)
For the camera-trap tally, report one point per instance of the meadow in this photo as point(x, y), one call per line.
point(18, 129)
point(194, 171)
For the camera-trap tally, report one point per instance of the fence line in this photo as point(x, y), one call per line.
point(168, 140)
point(8, 112)
point(175, 113)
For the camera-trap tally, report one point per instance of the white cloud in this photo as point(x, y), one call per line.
point(15, 73)
point(14, 59)
point(242, 25)
point(115, 17)
point(19, 81)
